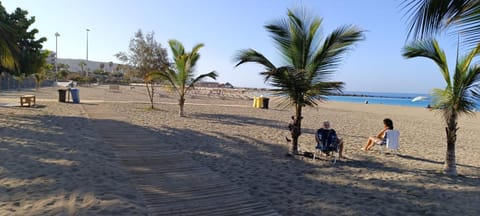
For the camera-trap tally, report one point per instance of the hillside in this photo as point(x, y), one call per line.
point(92, 65)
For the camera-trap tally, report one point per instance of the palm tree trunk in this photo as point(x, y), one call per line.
point(37, 83)
point(450, 167)
point(151, 93)
point(296, 128)
point(181, 103)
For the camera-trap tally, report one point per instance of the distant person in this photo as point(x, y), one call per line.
point(326, 137)
point(380, 138)
point(366, 101)
point(428, 106)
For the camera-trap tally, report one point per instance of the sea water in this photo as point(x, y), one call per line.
point(396, 99)
point(387, 98)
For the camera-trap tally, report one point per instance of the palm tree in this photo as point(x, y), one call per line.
point(20, 78)
point(110, 65)
point(428, 17)
point(9, 51)
point(39, 78)
point(63, 70)
point(458, 97)
point(62, 74)
point(82, 65)
point(181, 76)
point(309, 60)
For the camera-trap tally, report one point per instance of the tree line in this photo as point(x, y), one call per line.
point(21, 54)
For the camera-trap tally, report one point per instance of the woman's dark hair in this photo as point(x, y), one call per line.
point(389, 123)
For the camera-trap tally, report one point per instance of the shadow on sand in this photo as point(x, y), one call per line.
point(292, 186)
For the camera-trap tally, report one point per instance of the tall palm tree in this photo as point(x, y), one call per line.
point(458, 97)
point(181, 76)
point(308, 62)
point(428, 17)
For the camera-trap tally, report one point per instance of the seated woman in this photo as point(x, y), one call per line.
point(326, 137)
point(380, 138)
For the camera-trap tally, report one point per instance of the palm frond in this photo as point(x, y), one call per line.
point(168, 75)
point(328, 88)
point(426, 17)
point(299, 47)
point(474, 88)
point(6, 58)
point(211, 74)
point(288, 80)
point(468, 89)
point(280, 33)
point(252, 56)
point(153, 75)
point(197, 48)
point(330, 54)
point(464, 62)
point(441, 98)
point(429, 17)
point(319, 91)
point(431, 50)
point(171, 77)
point(176, 47)
point(194, 55)
point(9, 50)
point(284, 101)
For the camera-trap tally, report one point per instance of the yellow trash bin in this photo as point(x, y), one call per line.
point(257, 102)
point(260, 102)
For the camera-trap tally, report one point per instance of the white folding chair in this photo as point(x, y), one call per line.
point(392, 141)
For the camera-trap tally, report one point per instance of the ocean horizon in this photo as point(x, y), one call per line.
point(387, 98)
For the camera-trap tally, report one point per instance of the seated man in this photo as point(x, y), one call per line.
point(327, 140)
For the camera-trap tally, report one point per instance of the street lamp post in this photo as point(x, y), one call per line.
point(87, 53)
point(56, 55)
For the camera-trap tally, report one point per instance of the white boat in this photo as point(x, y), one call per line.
point(419, 98)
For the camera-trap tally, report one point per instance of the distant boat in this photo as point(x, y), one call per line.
point(419, 98)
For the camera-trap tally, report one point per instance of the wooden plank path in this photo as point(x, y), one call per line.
point(170, 182)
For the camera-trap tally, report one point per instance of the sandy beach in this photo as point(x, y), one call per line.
point(52, 162)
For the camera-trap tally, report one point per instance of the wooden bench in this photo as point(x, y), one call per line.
point(27, 100)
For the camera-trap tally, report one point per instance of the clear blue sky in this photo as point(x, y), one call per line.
point(226, 26)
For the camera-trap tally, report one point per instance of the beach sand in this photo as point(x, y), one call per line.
point(53, 163)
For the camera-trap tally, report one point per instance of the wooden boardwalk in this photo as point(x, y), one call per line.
point(170, 182)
